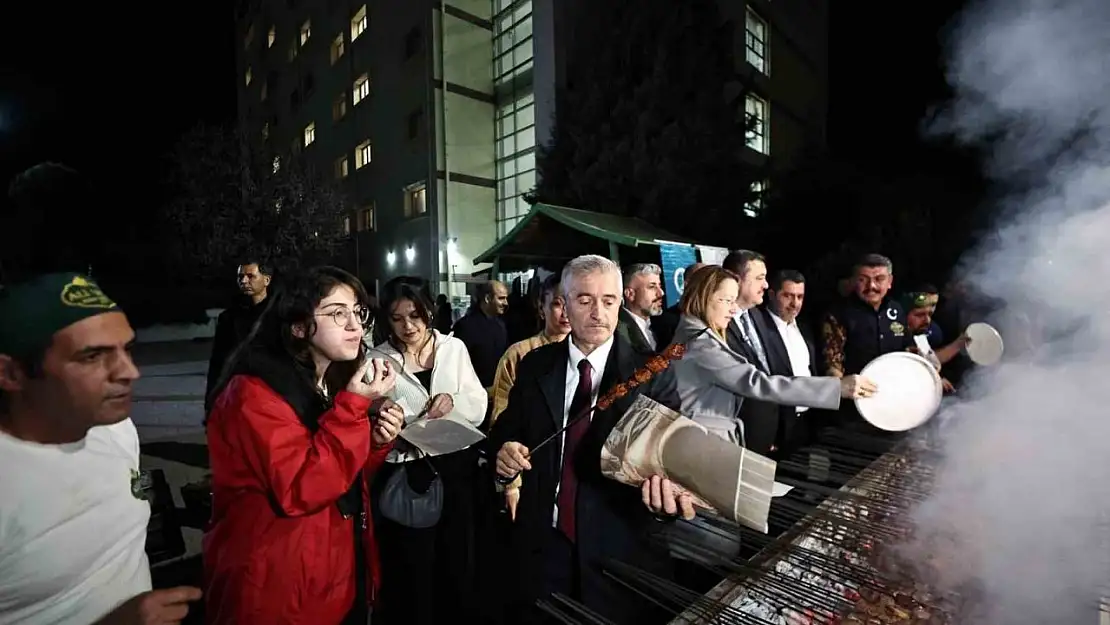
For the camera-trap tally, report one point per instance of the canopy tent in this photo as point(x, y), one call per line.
point(549, 235)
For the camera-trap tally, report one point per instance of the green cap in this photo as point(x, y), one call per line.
point(32, 312)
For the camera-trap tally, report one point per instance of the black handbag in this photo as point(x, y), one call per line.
point(413, 495)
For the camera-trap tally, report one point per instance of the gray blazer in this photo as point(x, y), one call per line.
point(713, 381)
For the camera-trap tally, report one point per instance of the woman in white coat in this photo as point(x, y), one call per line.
point(426, 571)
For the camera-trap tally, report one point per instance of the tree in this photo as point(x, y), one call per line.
point(50, 226)
point(234, 197)
point(651, 122)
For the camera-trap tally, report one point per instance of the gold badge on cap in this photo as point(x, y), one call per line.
point(82, 293)
point(897, 329)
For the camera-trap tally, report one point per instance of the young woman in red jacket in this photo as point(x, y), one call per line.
point(292, 450)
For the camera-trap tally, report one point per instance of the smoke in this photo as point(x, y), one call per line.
point(1023, 484)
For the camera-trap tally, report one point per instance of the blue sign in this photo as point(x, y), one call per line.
point(675, 259)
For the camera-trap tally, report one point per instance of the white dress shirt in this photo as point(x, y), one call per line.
point(645, 329)
point(597, 359)
point(796, 349)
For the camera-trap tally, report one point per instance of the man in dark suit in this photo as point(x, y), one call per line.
point(791, 351)
point(570, 519)
point(749, 335)
point(643, 303)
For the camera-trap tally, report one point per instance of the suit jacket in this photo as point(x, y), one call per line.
point(665, 325)
point(629, 330)
point(612, 521)
point(792, 429)
point(760, 418)
point(714, 382)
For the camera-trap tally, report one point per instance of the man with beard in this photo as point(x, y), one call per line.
point(235, 323)
point(866, 325)
point(643, 303)
point(921, 305)
point(73, 509)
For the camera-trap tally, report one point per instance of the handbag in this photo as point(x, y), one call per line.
point(405, 503)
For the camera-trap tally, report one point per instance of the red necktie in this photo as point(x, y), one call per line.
point(568, 484)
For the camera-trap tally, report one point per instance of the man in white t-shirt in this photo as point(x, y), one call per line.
point(73, 517)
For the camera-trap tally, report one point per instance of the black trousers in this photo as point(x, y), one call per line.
point(428, 574)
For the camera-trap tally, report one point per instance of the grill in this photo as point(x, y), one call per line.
point(838, 558)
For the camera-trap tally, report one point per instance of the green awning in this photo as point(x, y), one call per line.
point(551, 235)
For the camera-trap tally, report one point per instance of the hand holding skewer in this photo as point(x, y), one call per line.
point(513, 457)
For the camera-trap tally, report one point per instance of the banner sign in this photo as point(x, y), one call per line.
point(675, 259)
point(712, 255)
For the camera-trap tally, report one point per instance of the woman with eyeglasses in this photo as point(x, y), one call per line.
point(713, 380)
point(293, 450)
point(427, 572)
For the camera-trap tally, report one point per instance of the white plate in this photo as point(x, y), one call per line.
point(986, 346)
point(909, 392)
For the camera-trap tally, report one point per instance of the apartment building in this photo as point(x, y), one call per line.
point(428, 112)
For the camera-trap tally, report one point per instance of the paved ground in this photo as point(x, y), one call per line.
point(169, 413)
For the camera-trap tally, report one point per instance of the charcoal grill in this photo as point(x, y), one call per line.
point(836, 560)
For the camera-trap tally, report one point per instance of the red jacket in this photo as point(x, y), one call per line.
point(278, 550)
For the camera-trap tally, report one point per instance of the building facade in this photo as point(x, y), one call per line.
point(428, 112)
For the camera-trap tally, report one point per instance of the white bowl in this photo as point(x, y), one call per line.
point(909, 392)
point(986, 345)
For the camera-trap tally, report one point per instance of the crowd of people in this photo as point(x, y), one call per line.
point(322, 511)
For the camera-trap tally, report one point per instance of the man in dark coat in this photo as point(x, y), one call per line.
point(571, 519)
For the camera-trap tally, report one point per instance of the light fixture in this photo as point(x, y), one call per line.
point(390, 258)
point(410, 253)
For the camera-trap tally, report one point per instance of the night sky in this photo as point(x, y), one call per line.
point(108, 92)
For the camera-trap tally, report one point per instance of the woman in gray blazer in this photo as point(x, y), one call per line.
point(713, 380)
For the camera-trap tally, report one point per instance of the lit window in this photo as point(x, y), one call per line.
point(247, 77)
point(755, 42)
point(364, 220)
point(309, 134)
point(755, 109)
point(337, 49)
point(339, 107)
point(358, 23)
point(415, 204)
point(277, 164)
point(362, 88)
point(270, 37)
point(754, 206)
point(346, 226)
point(363, 154)
point(341, 167)
point(306, 31)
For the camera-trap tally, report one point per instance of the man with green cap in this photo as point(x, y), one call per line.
point(920, 305)
point(73, 520)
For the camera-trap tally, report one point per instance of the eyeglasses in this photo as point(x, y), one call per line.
point(726, 301)
point(342, 316)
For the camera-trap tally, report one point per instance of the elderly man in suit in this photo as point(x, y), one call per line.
point(570, 519)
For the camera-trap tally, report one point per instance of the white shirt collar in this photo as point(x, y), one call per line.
point(597, 358)
point(780, 321)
